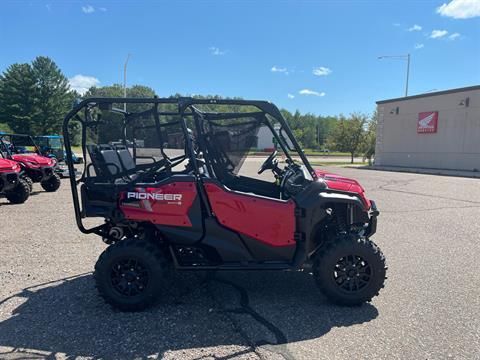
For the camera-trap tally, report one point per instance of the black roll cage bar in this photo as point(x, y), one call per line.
point(186, 107)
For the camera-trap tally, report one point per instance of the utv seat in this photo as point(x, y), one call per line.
point(111, 160)
point(107, 164)
point(125, 157)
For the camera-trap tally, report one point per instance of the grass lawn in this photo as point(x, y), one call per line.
point(321, 153)
point(337, 163)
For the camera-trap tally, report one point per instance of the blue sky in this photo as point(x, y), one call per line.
point(315, 56)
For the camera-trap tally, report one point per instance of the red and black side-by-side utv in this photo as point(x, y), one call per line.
point(36, 168)
point(178, 194)
point(12, 186)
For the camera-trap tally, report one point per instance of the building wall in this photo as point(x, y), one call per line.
point(455, 145)
point(265, 138)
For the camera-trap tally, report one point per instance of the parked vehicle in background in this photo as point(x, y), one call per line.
point(12, 186)
point(52, 146)
point(36, 168)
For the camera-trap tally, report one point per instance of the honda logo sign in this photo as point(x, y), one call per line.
point(427, 122)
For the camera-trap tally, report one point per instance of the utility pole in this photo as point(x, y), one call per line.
point(125, 82)
point(400, 57)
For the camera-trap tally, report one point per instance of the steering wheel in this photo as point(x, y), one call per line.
point(268, 164)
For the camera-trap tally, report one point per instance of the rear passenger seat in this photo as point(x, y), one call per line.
point(125, 157)
point(112, 162)
point(110, 156)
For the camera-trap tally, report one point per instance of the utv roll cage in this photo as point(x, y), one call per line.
point(186, 111)
point(17, 140)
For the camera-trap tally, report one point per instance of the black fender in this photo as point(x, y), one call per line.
point(316, 205)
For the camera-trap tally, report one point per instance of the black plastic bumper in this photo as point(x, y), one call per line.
point(40, 174)
point(8, 181)
point(372, 223)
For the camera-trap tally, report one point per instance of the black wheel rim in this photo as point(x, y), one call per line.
point(129, 277)
point(352, 273)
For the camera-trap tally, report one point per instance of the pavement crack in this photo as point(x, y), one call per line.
point(246, 309)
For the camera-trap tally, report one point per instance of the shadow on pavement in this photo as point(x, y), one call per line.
point(250, 310)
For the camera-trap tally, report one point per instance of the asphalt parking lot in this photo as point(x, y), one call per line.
point(430, 308)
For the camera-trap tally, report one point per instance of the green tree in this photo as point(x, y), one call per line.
point(112, 124)
point(17, 98)
point(52, 96)
point(370, 139)
point(5, 128)
point(348, 134)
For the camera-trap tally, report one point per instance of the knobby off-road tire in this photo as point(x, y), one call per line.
point(29, 181)
point(20, 193)
point(52, 184)
point(350, 270)
point(132, 274)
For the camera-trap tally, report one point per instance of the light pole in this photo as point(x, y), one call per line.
point(125, 82)
point(400, 57)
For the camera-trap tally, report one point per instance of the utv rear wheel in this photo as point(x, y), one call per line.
point(52, 184)
point(350, 271)
point(29, 181)
point(20, 193)
point(132, 274)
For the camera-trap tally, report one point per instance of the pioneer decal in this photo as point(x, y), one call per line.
point(154, 196)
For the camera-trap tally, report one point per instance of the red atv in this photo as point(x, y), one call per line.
point(36, 168)
point(14, 188)
point(178, 193)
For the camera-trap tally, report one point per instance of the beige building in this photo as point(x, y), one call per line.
point(438, 130)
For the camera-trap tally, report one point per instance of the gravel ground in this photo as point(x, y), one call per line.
point(429, 309)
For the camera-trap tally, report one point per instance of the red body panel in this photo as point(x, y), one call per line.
point(33, 160)
point(164, 205)
point(338, 182)
point(9, 166)
point(269, 221)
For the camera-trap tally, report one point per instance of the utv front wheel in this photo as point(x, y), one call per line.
point(131, 274)
point(29, 181)
point(20, 193)
point(350, 271)
point(52, 184)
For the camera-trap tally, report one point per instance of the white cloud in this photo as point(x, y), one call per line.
point(460, 9)
point(436, 34)
point(311, 92)
point(279, 69)
point(396, 24)
point(454, 36)
point(321, 71)
point(415, 28)
point(88, 9)
point(81, 83)
point(419, 46)
point(102, 9)
point(291, 96)
point(49, 7)
point(216, 51)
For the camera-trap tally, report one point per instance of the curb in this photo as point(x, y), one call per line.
point(441, 172)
